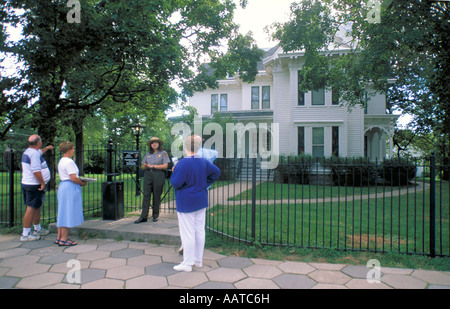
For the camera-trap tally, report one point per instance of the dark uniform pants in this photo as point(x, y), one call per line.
point(153, 183)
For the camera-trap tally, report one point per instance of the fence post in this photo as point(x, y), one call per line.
point(432, 205)
point(11, 187)
point(253, 199)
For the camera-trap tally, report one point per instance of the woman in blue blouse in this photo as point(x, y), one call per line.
point(191, 177)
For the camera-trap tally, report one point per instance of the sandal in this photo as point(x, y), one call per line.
point(67, 243)
point(57, 241)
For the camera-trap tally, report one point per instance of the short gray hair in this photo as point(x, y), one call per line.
point(34, 139)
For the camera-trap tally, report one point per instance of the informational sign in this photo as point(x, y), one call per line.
point(130, 158)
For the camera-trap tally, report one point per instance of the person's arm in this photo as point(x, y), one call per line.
point(213, 172)
point(178, 178)
point(75, 179)
point(159, 167)
point(45, 149)
point(39, 178)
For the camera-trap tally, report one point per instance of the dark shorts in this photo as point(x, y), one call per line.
point(32, 197)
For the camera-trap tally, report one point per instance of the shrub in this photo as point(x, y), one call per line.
point(96, 163)
point(444, 168)
point(357, 172)
point(397, 171)
point(295, 170)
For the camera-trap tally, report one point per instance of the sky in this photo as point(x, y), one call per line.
point(261, 13)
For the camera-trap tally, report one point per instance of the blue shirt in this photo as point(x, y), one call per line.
point(191, 177)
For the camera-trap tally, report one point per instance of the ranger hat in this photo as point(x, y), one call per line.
point(154, 139)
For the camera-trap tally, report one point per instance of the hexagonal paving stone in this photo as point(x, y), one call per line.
point(13, 252)
point(256, 283)
point(163, 269)
point(212, 285)
point(160, 251)
point(57, 258)
point(403, 282)
point(146, 282)
point(226, 275)
point(235, 262)
point(28, 270)
point(8, 282)
point(299, 268)
point(187, 279)
point(93, 255)
point(127, 253)
point(262, 271)
point(329, 276)
point(90, 275)
point(108, 263)
point(19, 261)
point(364, 284)
point(293, 281)
point(434, 277)
point(144, 260)
point(104, 284)
point(356, 271)
point(40, 281)
point(37, 244)
point(125, 272)
point(81, 248)
point(113, 246)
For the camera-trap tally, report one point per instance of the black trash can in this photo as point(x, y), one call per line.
point(112, 200)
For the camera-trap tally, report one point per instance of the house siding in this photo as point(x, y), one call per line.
point(282, 78)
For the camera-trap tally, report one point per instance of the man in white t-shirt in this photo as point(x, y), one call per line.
point(35, 175)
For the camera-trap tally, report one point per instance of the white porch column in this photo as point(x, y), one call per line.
point(391, 145)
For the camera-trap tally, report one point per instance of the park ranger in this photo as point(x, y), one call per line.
point(155, 162)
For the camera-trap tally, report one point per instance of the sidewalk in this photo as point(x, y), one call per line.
point(133, 263)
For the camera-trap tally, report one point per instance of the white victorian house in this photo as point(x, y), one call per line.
point(313, 123)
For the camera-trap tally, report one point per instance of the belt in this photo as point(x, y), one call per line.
point(154, 169)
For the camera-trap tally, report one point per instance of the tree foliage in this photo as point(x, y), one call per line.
point(121, 53)
point(409, 44)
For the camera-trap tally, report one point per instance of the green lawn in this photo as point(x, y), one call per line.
point(277, 191)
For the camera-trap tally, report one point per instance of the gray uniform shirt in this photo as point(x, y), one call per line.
point(156, 158)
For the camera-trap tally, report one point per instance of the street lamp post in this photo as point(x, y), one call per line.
point(137, 130)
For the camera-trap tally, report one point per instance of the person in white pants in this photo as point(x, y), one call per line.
point(191, 177)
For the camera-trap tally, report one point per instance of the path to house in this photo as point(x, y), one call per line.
point(221, 195)
point(118, 256)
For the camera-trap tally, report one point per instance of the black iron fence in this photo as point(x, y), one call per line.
point(12, 207)
point(348, 204)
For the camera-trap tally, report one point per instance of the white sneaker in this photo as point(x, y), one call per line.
point(198, 264)
point(41, 232)
point(30, 237)
point(182, 267)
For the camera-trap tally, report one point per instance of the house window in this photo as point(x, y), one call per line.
point(266, 97)
point(318, 146)
point(318, 97)
point(335, 141)
point(255, 97)
point(366, 102)
point(214, 103)
point(301, 140)
point(335, 96)
point(301, 94)
point(224, 102)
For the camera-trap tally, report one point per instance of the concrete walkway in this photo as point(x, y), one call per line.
point(125, 260)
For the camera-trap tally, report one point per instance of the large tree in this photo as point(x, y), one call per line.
point(118, 52)
point(405, 41)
